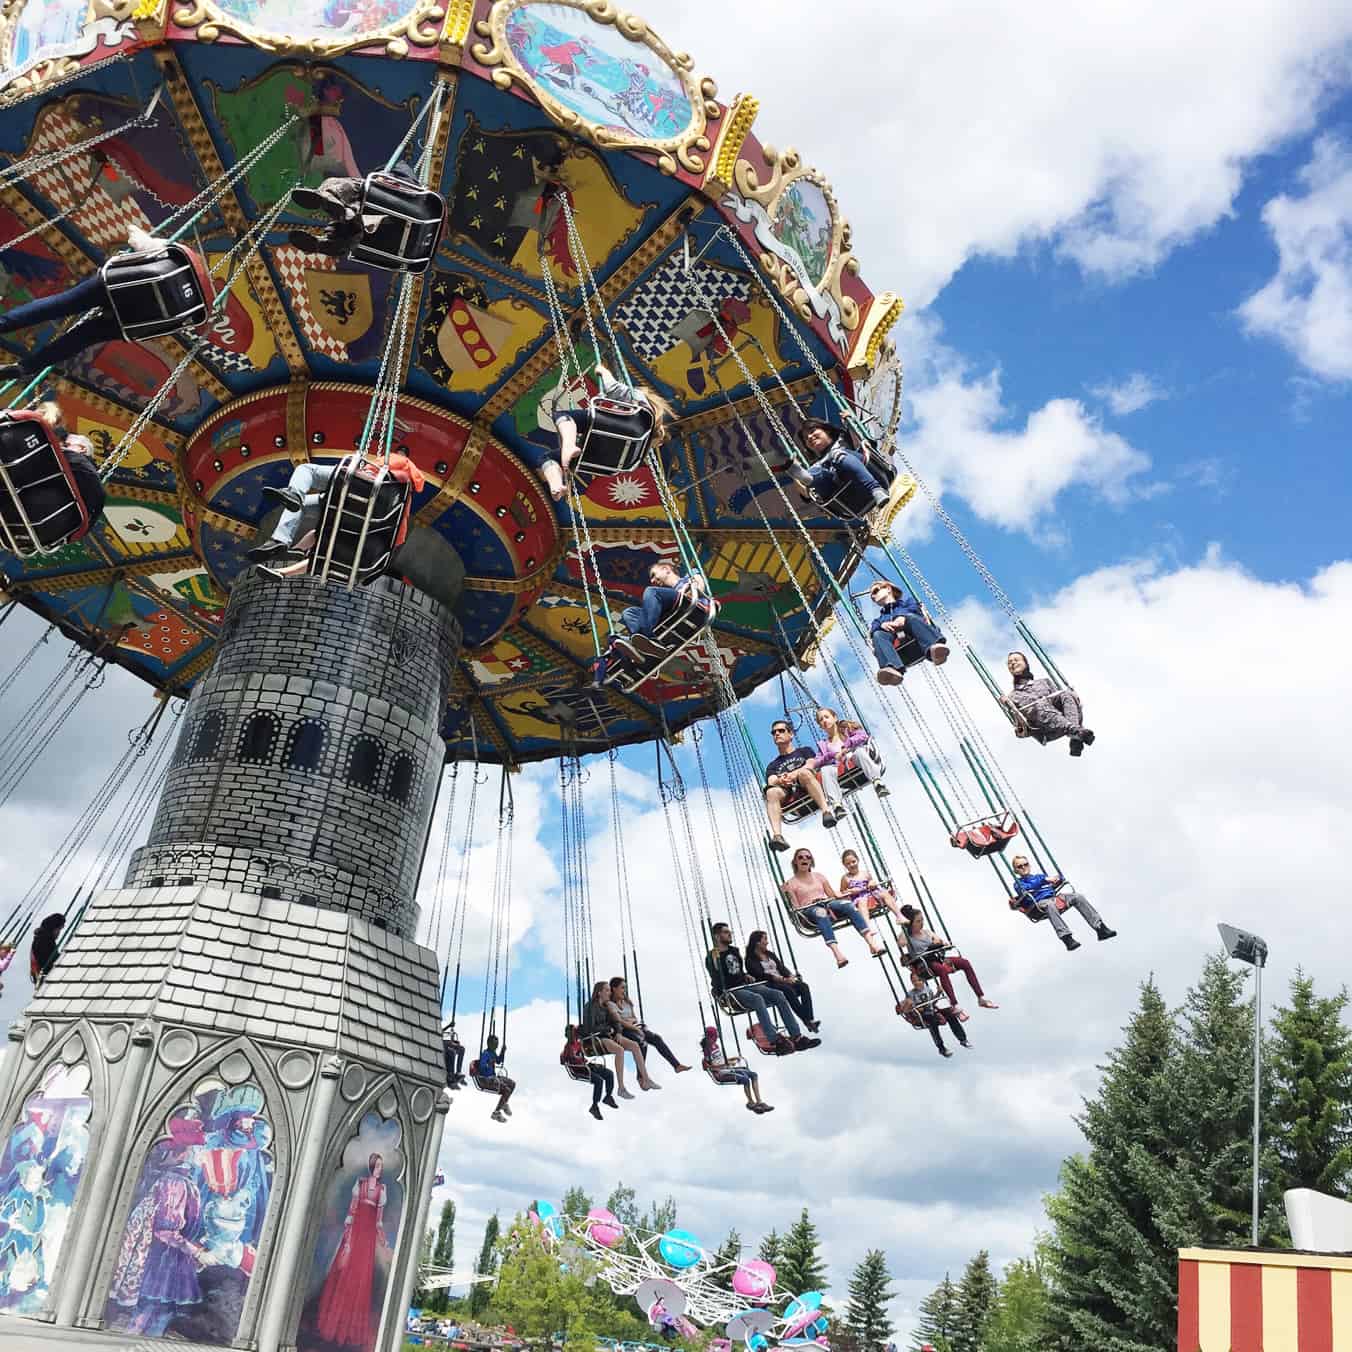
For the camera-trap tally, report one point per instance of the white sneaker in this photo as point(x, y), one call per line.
point(624, 1093)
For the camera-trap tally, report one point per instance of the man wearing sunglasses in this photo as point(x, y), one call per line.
point(790, 771)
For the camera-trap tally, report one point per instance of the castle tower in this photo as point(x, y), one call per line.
point(227, 1098)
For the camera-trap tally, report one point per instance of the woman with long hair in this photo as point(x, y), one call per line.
point(765, 966)
point(598, 1028)
point(842, 737)
point(345, 1302)
point(1043, 710)
point(811, 893)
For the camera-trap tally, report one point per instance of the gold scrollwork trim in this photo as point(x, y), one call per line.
point(732, 137)
point(686, 150)
point(869, 342)
point(785, 170)
point(421, 27)
point(101, 26)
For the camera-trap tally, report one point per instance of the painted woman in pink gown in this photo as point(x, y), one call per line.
point(345, 1303)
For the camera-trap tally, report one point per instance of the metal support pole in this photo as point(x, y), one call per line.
point(1257, 1078)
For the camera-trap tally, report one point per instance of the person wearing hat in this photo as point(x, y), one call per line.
point(834, 463)
point(900, 616)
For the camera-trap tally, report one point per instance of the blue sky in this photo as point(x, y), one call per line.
point(1076, 206)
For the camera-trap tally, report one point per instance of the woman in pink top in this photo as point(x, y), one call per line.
point(840, 738)
point(812, 894)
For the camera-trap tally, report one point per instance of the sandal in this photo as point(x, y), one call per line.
point(962, 1014)
point(842, 962)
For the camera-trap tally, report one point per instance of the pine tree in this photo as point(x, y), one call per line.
point(727, 1254)
point(976, 1302)
point(481, 1292)
point(623, 1204)
point(1112, 1270)
point(424, 1298)
point(937, 1323)
point(866, 1320)
point(576, 1204)
point(442, 1255)
point(771, 1249)
point(660, 1217)
point(1310, 1122)
point(800, 1263)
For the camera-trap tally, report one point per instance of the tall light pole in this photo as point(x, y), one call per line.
point(1253, 950)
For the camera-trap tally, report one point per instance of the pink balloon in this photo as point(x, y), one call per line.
point(754, 1279)
point(604, 1227)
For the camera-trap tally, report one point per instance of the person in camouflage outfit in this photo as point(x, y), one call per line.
point(1043, 710)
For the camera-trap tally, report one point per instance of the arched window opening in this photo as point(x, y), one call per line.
point(206, 742)
point(363, 763)
point(399, 788)
point(258, 738)
point(305, 745)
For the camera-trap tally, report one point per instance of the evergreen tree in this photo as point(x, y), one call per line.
point(938, 1320)
point(728, 1252)
point(481, 1292)
point(659, 1218)
point(442, 1255)
point(1111, 1268)
point(1018, 1321)
point(771, 1249)
point(800, 1263)
point(976, 1303)
point(1310, 1067)
point(623, 1204)
point(576, 1204)
point(866, 1320)
point(423, 1298)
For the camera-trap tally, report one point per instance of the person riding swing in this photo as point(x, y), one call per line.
point(902, 622)
point(1042, 710)
point(666, 591)
point(835, 467)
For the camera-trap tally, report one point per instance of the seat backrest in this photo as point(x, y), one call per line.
point(614, 438)
point(412, 219)
point(154, 293)
point(359, 523)
point(40, 503)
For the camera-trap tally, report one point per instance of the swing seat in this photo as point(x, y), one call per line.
point(360, 522)
point(850, 501)
point(805, 926)
point(678, 630)
point(485, 1083)
point(412, 219)
point(614, 439)
point(40, 504)
point(986, 835)
point(579, 1073)
point(924, 962)
point(732, 1006)
point(908, 650)
point(1034, 911)
point(152, 294)
point(799, 804)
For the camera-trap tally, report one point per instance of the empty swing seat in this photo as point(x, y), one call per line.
point(152, 294)
point(799, 804)
point(986, 835)
point(360, 523)
point(676, 631)
point(41, 508)
point(412, 219)
point(612, 435)
point(849, 501)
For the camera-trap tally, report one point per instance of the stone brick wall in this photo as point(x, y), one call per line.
point(308, 762)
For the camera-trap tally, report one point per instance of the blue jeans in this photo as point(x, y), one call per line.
point(309, 481)
point(102, 328)
point(756, 998)
point(642, 619)
point(924, 633)
point(843, 465)
point(820, 914)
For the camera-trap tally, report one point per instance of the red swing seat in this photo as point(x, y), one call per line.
point(986, 835)
point(40, 504)
point(1034, 911)
point(582, 1074)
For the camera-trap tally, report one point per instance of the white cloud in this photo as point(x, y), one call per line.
point(1115, 133)
point(1131, 395)
point(962, 438)
point(1307, 306)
